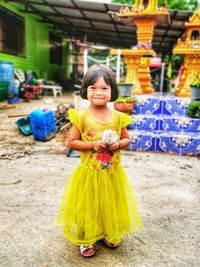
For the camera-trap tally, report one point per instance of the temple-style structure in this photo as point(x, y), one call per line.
point(145, 15)
point(189, 46)
point(160, 122)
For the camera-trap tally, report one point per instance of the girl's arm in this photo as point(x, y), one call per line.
point(125, 139)
point(76, 143)
point(123, 142)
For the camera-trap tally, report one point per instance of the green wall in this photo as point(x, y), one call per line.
point(36, 48)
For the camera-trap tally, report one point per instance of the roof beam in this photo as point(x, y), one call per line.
point(50, 14)
point(59, 14)
point(88, 20)
point(167, 29)
point(115, 25)
point(57, 5)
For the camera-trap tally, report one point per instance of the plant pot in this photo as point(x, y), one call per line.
point(195, 93)
point(123, 106)
point(125, 89)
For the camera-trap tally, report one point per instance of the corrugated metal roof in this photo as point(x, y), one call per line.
point(85, 20)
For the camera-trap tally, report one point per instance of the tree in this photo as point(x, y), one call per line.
point(171, 4)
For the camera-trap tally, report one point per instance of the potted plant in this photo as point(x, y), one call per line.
point(125, 104)
point(194, 109)
point(195, 87)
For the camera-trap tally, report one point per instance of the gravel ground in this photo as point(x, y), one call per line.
point(32, 179)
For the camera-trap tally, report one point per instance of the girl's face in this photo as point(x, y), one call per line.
point(99, 93)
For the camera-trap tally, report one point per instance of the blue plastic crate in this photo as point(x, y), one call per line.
point(43, 124)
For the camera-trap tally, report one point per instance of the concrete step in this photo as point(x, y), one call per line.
point(169, 142)
point(164, 123)
point(164, 105)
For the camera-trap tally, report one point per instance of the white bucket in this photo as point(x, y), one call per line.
point(79, 103)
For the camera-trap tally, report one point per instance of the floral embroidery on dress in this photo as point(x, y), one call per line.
point(92, 135)
point(105, 158)
point(89, 133)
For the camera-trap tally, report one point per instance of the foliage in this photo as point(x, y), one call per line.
point(128, 2)
point(171, 4)
point(194, 109)
point(182, 4)
point(195, 84)
point(196, 80)
point(126, 99)
point(176, 61)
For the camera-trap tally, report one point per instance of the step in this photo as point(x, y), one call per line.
point(170, 142)
point(158, 104)
point(164, 123)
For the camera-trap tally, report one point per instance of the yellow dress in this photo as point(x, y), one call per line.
point(98, 202)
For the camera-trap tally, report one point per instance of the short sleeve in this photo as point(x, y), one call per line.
point(125, 120)
point(74, 118)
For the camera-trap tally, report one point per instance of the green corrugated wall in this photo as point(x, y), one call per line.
point(36, 48)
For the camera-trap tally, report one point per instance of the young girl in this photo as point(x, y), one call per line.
point(98, 202)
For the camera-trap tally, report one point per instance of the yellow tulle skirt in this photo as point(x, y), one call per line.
point(98, 204)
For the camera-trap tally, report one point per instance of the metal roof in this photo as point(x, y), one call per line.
point(90, 21)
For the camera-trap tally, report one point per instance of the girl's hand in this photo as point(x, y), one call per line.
point(98, 146)
point(115, 146)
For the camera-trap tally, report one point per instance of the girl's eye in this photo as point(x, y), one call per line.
point(93, 88)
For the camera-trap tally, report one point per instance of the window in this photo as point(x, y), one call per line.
point(55, 49)
point(11, 33)
point(195, 35)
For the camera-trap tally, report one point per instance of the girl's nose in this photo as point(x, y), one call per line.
point(98, 91)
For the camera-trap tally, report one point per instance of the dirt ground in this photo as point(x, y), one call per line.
point(32, 179)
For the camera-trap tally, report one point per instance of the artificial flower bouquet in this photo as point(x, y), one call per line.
point(109, 137)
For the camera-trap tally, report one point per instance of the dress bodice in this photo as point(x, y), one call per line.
point(91, 130)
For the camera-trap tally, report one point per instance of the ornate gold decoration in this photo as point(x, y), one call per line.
point(144, 75)
point(190, 48)
point(145, 15)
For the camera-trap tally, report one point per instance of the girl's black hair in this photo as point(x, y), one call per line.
point(93, 73)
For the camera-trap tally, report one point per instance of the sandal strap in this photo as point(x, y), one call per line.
point(110, 245)
point(85, 248)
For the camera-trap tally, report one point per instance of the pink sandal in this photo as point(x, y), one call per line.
point(84, 249)
point(110, 245)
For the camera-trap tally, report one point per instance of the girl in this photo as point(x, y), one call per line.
point(98, 202)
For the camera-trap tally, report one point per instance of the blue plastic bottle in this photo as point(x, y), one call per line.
point(7, 74)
